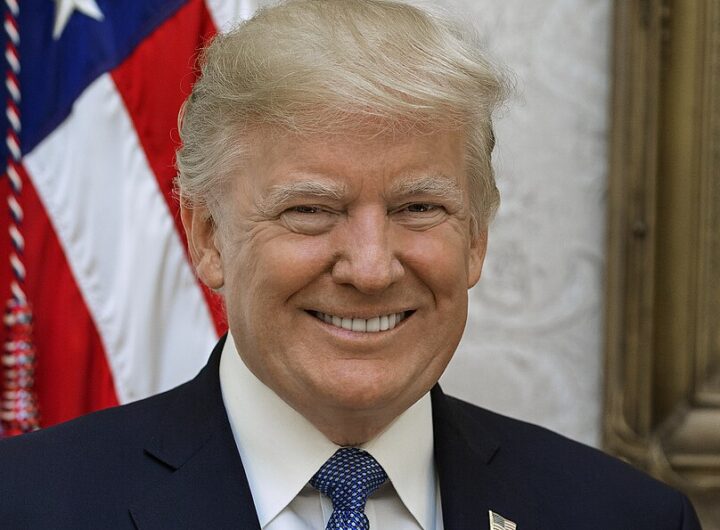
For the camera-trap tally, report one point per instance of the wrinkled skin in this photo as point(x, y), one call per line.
point(352, 227)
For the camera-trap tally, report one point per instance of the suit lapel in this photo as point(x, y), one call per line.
point(207, 486)
point(473, 479)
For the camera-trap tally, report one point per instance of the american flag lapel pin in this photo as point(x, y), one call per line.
point(498, 522)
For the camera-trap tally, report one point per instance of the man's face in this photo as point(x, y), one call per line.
point(345, 264)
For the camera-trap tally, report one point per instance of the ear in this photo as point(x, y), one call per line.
point(202, 243)
point(476, 258)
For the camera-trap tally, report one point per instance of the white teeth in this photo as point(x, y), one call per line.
point(373, 324)
point(370, 325)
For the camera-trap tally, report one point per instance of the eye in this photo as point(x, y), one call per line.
point(305, 209)
point(421, 207)
point(308, 219)
point(420, 215)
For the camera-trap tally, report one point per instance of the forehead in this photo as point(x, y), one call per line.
point(277, 157)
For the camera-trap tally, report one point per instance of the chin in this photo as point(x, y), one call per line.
point(358, 394)
point(358, 401)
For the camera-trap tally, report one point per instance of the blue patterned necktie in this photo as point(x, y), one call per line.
point(349, 477)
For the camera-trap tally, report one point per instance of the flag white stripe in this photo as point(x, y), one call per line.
point(227, 13)
point(120, 240)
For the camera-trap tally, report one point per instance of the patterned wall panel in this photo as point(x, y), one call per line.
point(532, 348)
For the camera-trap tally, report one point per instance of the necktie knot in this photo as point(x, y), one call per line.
point(349, 477)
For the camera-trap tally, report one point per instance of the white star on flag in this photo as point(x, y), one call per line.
point(65, 8)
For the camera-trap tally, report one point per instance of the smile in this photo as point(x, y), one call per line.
point(364, 325)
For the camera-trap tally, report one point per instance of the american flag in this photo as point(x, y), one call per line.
point(91, 245)
point(498, 522)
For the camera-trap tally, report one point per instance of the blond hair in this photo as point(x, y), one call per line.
point(319, 66)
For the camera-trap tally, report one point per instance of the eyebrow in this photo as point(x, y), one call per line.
point(434, 185)
point(285, 193)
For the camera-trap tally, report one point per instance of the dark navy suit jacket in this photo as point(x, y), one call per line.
point(170, 462)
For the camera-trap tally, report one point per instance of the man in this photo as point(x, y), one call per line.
point(336, 190)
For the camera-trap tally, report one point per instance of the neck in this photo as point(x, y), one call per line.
point(350, 428)
point(351, 433)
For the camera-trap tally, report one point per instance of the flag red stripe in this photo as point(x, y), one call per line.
point(73, 376)
point(153, 82)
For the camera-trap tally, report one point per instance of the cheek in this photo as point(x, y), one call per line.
point(301, 250)
point(440, 261)
point(267, 273)
point(293, 262)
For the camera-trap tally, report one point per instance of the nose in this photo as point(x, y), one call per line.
point(367, 254)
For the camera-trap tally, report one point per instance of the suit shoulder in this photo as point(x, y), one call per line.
point(103, 439)
point(103, 424)
point(543, 446)
point(574, 475)
point(86, 469)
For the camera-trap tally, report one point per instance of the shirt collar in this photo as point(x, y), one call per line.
point(281, 450)
point(405, 451)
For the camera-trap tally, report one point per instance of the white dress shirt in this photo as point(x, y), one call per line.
point(281, 451)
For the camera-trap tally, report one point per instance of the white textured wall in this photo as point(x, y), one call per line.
point(532, 348)
point(533, 344)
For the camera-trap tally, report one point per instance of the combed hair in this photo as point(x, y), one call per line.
point(321, 66)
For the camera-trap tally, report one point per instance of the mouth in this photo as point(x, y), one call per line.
point(364, 325)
